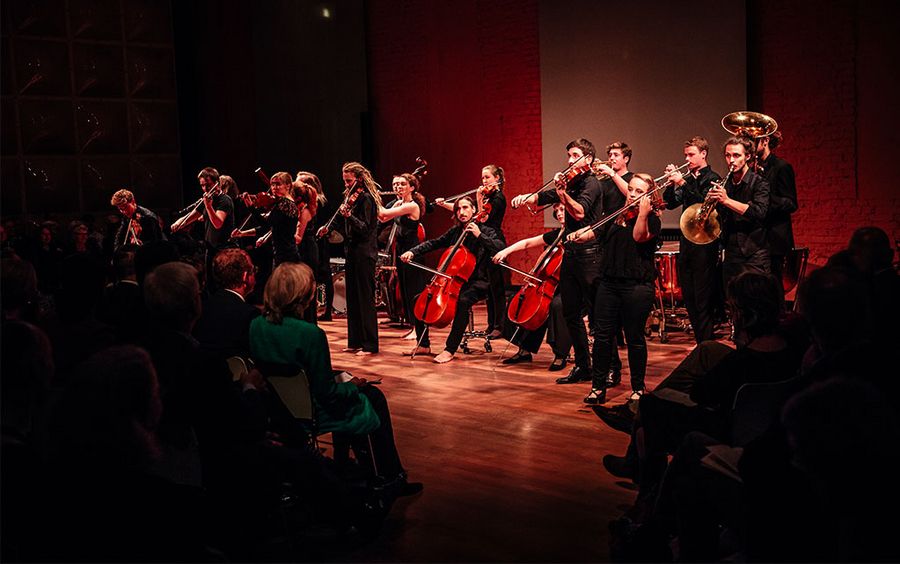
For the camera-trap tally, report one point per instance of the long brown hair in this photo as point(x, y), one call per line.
point(362, 173)
point(417, 196)
point(306, 194)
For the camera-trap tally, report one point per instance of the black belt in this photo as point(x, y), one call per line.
point(583, 251)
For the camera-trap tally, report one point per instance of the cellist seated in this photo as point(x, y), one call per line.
point(480, 243)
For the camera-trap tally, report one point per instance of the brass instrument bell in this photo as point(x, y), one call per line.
point(751, 124)
point(698, 230)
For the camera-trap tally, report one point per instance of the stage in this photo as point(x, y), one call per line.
point(511, 461)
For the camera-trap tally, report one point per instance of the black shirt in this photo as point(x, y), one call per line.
point(497, 201)
point(360, 229)
point(484, 247)
point(585, 190)
point(611, 198)
point(782, 203)
point(219, 238)
point(624, 259)
point(745, 234)
point(150, 228)
point(283, 222)
point(693, 191)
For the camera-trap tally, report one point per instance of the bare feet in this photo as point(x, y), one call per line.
point(350, 349)
point(411, 336)
point(418, 350)
point(364, 353)
point(444, 357)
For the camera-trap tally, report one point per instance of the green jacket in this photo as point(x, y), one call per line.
point(300, 344)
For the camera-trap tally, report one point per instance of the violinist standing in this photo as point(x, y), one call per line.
point(139, 225)
point(483, 242)
point(625, 290)
point(360, 231)
point(407, 211)
point(281, 224)
point(307, 199)
point(580, 268)
point(697, 264)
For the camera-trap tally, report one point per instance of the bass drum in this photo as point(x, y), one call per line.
point(667, 285)
point(794, 268)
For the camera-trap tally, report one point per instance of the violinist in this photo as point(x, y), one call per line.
point(281, 221)
point(483, 242)
point(580, 196)
point(407, 211)
point(555, 327)
point(216, 211)
point(307, 198)
point(138, 224)
point(360, 230)
point(697, 264)
point(625, 290)
point(323, 251)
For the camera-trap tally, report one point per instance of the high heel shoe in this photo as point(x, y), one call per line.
point(518, 357)
point(558, 364)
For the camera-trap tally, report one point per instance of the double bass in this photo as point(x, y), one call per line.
point(436, 305)
point(530, 306)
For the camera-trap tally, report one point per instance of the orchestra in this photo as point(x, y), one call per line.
point(598, 278)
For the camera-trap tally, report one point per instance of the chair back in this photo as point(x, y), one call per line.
point(757, 406)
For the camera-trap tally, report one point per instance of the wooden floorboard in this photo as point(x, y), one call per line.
point(511, 461)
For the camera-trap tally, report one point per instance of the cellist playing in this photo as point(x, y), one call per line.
point(483, 242)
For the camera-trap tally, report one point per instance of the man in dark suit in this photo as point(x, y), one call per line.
point(782, 201)
point(224, 327)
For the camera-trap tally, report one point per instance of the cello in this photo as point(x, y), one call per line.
point(436, 305)
point(530, 306)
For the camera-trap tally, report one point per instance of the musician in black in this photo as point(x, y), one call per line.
point(782, 201)
point(406, 215)
point(697, 265)
point(555, 326)
point(359, 226)
point(742, 205)
point(581, 262)
point(216, 211)
point(483, 242)
point(281, 224)
point(323, 273)
point(138, 224)
point(625, 290)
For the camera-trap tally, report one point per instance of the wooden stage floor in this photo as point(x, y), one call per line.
point(511, 461)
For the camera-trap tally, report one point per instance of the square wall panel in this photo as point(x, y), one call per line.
point(51, 184)
point(151, 73)
point(96, 19)
point(6, 74)
point(99, 70)
point(157, 181)
point(47, 127)
point(102, 127)
point(154, 127)
point(147, 21)
point(38, 17)
point(10, 187)
point(42, 67)
point(100, 178)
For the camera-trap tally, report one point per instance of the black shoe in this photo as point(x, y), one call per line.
point(595, 397)
point(620, 466)
point(620, 417)
point(614, 378)
point(518, 357)
point(577, 374)
point(558, 364)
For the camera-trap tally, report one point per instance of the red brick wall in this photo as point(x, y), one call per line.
point(458, 83)
point(806, 72)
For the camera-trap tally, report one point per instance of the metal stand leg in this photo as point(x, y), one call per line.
point(470, 332)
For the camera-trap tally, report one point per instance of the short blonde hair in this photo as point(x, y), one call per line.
point(122, 196)
point(288, 291)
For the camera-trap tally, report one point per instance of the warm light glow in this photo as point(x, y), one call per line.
point(326, 13)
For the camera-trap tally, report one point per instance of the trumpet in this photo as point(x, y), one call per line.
point(668, 176)
point(699, 223)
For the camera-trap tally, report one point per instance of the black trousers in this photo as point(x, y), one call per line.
point(468, 296)
point(554, 328)
point(496, 303)
point(412, 282)
point(627, 303)
point(362, 319)
point(698, 278)
point(578, 277)
point(382, 451)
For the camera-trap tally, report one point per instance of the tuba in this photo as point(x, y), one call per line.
point(700, 222)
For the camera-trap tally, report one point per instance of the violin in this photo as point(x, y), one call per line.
point(572, 173)
point(133, 231)
point(264, 201)
point(530, 307)
point(436, 305)
point(631, 212)
point(350, 198)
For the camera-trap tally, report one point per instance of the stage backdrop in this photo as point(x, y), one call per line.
point(650, 73)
